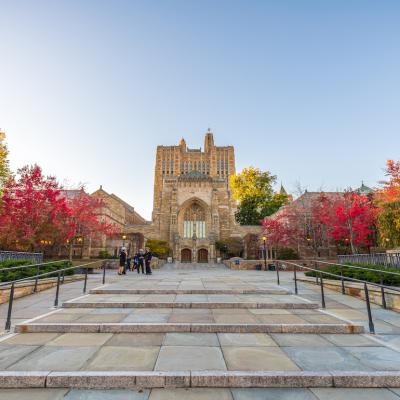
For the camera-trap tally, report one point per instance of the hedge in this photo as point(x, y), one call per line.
point(369, 276)
point(7, 276)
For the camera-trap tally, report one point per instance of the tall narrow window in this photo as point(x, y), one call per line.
point(194, 222)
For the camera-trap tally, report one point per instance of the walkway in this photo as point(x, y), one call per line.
point(204, 333)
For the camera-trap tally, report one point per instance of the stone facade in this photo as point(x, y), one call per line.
point(193, 205)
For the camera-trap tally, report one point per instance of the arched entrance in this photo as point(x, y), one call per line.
point(186, 255)
point(202, 256)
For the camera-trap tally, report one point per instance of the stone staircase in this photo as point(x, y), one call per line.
point(193, 330)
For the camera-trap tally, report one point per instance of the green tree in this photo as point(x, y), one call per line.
point(4, 170)
point(257, 199)
point(159, 248)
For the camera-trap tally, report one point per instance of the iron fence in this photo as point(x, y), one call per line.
point(391, 260)
point(21, 255)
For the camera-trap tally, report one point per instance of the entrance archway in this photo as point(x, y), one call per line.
point(202, 256)
point(186, 255)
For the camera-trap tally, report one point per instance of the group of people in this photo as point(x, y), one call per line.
point(140, 261)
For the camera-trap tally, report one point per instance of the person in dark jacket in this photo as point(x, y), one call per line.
point(122, 261)
point(141, 261)
point(135, 263)
point(148, 255)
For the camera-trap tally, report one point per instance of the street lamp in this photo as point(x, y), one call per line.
point(265, 252)
point(123, 240)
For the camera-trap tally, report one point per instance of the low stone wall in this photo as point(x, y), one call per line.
point(357, 290)
point(237, 263)
point(26, 288)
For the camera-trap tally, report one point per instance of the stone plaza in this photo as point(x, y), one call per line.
point(199, 332)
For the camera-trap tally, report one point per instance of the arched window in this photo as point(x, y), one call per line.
point(194, 222)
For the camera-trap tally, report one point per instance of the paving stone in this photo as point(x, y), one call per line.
point(121, 358)
point(148, 315)
point(11, 354)
point(191, 339)
point(353, 394)
point(245, 339)
point(80, 339)
point(102, 318)
point(349, 340)
point(76, 394)
point(136, 339)
point(257, 359)
point(273, 394)
point(334, 358)
point(32, 394)
point(190, 358)
point(190, 394)
point(30, 339)
point(380, 358)
point(52, 358)
point(299, 340)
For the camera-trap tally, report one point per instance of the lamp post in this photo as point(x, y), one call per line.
point(123, 240)
point(265, 252)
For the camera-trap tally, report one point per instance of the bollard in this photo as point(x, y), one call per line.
point(36, 280)
point(322, 291)
point(57, 290)
point(295, 281)
point(341, 275)
point(383, 293)
point(84, 285)
point(371, 323)
point(10, 304)
point(277, 273)
point(104, 273)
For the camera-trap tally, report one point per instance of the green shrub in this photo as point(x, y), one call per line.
point(369, 276)
point(104, 254)
point(11, 275)
point(287, 253)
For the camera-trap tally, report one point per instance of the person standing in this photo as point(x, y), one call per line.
point(141, 261)
point(122, 261)
point(135, 263)
point(147, 257)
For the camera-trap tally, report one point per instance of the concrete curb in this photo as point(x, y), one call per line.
point(186, 379)
point(186, 327)
point(180, 304)
point(189, 291)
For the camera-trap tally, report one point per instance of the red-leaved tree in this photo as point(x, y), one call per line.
point(32, 211)
point(351, 219)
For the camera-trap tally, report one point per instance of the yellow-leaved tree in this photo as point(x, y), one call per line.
point(253, 189)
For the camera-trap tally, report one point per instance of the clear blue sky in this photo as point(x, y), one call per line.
point(309, 90)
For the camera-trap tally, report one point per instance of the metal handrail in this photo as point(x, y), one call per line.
point(36, 277)
point(31, 265)
point(342, 278)
point(358, 267)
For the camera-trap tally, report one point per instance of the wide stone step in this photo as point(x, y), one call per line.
point(198, 379)
point(186, 304)
point(187, 327)
point(189, 291)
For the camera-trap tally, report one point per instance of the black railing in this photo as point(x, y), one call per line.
point(391, 260)
point(60, 279)
point(320, 273)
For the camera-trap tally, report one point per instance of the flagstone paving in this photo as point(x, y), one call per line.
point(200, 351)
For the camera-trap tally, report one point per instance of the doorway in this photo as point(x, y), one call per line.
point(202, 256)
point(186, 255)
